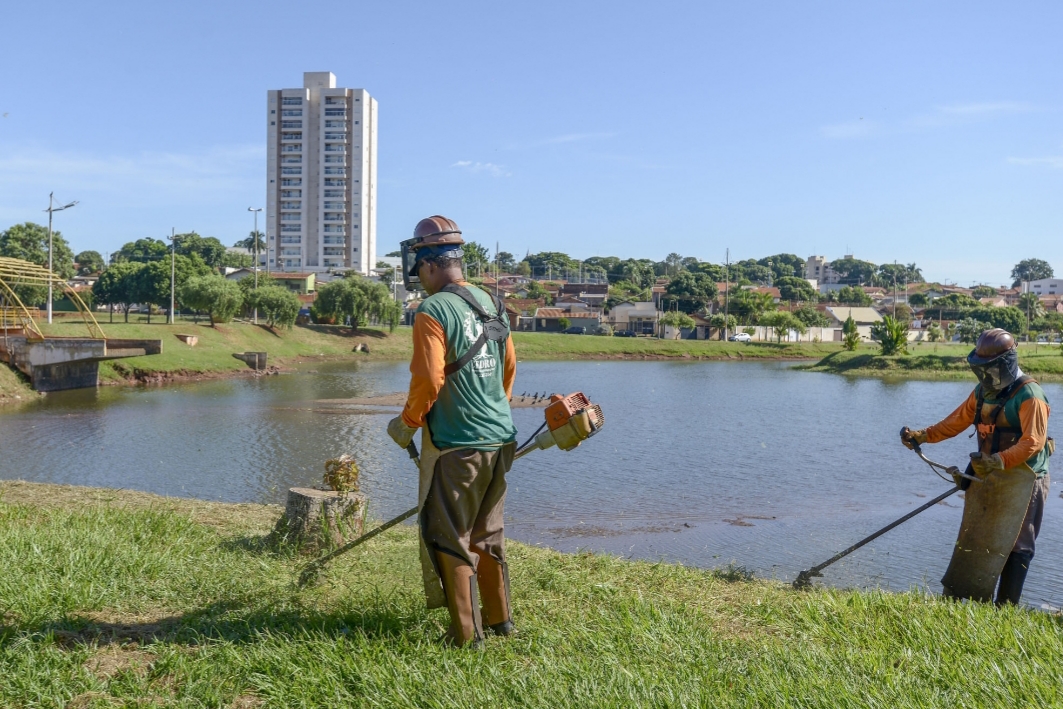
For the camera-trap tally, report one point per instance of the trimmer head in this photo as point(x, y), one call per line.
point(570, 420)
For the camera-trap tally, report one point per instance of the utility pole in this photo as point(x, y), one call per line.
point(52, 208)
point(173, 261)
point(726, 294)
point(254, 238)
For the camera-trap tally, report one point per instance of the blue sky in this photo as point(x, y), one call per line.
point(925, 132)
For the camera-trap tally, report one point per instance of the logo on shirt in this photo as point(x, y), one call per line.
point(483, 364)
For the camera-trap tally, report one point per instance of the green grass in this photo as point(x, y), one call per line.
point(112, 598)
point(934, 361)
point(14, 388)
point(213, 353)
point(549, 346)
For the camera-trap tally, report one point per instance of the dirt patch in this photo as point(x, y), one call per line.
point(742, 520)
point(247, 701)
point(143, 377)
point(109, 661)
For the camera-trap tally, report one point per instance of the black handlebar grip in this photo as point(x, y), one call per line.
point(412, 450)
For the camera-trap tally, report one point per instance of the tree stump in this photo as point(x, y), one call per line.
point(320, 518)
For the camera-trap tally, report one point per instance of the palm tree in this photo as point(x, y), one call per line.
point(249, 242)
point(1032, 306)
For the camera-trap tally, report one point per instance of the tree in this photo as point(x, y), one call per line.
point(1010, 318)
point(563, 323)
point(118, 286)
point(853, 295)
point(891, 334)
point(679, 321)
point(918, 300)
point(207, 248)
point(257, 236)
point(970, 328)
point(236, 260)
point(890, 273)
point(278, 304)
point(794, 288)
point(850, 334)
point(476, 257)
point(811, 317)
point(1031, 269)
point(29, 242)
point(141, 251)
point(853, 271)
point(505, 262)
point(626, 290)
point(722, 323)
point(524, 269)
point(551, 264)
point(89, 262)
point(749, 305)
point(219, 297)
point(712, 270)
point(1031, 304)
point(934, 333)
point(673, 263)
point(690, 292)
point(356, 298)
point(782, 323)
point(609, 265)
point(536, 291)
point(984, 291)
point(784, 265)
point(152, 284)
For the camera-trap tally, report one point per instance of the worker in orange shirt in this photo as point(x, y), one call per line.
point(461, 382)
point(1002, 511)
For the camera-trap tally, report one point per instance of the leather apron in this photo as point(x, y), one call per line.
point(433, 586)
point(993, 512)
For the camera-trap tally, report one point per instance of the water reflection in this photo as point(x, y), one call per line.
point(703, 463)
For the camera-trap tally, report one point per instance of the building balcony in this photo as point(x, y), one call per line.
point(334, 241)
point(335, 218)
point(291, 136)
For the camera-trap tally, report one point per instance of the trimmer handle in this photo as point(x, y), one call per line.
point(906, 435)
point(412, 450)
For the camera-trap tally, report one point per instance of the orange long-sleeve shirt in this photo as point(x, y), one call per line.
point(1033, 417)
point(426, 369)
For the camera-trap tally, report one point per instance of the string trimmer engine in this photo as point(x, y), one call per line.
point(570, 420)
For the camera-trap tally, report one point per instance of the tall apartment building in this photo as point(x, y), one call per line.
point(321, 177)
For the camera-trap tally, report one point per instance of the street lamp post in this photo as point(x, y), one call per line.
point(50, 210)
point(254, 238)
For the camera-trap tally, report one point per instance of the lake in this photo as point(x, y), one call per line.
point(703, 463)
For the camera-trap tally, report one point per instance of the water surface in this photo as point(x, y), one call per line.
point(704, 463)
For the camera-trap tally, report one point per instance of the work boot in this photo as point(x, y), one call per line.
point(459, 584)
point(1013, 577)
point(493, 579)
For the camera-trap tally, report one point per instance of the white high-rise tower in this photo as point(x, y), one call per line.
point(321, 177)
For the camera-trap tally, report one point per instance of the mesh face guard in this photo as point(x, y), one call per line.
point(997, 374)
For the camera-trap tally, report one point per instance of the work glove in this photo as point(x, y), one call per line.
point(400, 432)
point(909, 437)
point(986, 464)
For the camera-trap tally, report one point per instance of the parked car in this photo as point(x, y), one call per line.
point(576, 330)
point(625, 333)
point(741, 337)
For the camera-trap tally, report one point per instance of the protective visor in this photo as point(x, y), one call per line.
point(995, 374)
point(451, 250)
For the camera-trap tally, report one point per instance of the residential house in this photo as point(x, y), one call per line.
point(863, 317)
point(1045, 286)
point(548, 319)
point(635, 316)
point(998, 301)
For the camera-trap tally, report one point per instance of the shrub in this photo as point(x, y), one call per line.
point(850, 335)
point(563, 323)
point(891, 334)
point(218, 297)
point(604, 330)
point(278, 304)
point(969, 329)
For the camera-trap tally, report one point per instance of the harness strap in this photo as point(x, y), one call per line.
point(986, 429)
point(488, 332)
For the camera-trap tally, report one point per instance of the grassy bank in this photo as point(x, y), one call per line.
point(212, 355)
point(934, 361)
point(548, 346)
point(115, 598)
point(13, 387)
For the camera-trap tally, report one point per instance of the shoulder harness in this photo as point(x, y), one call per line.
point(990, 428)
point(494, 327)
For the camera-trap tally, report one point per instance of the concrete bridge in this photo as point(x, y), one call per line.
point(56, 363)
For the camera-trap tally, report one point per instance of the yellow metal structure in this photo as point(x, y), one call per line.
point(15, 273)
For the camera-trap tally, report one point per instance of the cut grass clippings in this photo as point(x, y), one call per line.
point(112, 598)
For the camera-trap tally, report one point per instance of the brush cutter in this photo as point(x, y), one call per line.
point(804, 579)
point(570, 420)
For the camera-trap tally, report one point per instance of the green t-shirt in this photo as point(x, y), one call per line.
point(1039, 462)
point(472, 410)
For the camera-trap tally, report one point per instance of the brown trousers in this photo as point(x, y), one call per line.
point(462, 514)
point(1031, 525)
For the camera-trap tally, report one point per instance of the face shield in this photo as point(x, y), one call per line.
point(997, 374)
point(413, 256)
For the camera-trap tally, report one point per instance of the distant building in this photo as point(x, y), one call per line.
point(321, 177)
point(1044, 286)
point(818, 268)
